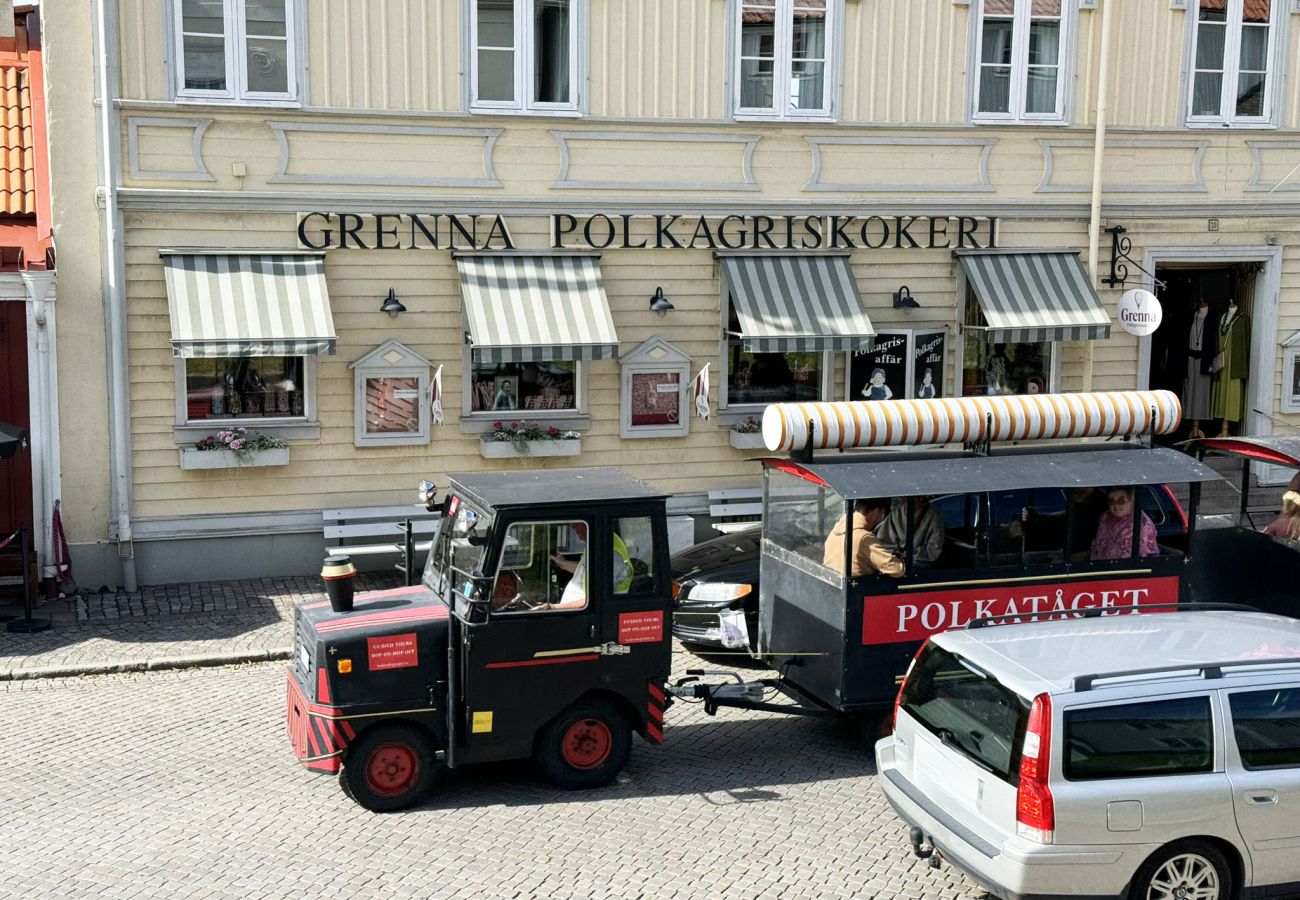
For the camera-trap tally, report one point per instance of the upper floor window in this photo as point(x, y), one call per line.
point(525, 55)
point(1232, 62)
point(1021, 48)
point(783, 58)
point(235, 50)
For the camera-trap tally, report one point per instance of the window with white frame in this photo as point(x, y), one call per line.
point(1233, 75)
point(783, 58)
point(757, 379)
point(1021, 60)
point(244, 389)
point(524, 55)
point(235, 50)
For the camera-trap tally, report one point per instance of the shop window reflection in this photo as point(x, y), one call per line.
point(529, 387)
point(244, 387)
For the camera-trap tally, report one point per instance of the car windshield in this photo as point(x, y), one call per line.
point(967, 709)
point(458, 552)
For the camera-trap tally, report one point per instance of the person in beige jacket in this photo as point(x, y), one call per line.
point(869, 555)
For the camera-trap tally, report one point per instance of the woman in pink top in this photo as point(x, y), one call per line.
point(1287, 525)
point(1115, 529)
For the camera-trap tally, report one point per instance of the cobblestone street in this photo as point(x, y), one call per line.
point(182, 784)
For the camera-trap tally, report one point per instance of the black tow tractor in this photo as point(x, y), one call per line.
point(540, 630)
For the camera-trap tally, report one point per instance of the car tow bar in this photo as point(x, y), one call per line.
point(741, 694)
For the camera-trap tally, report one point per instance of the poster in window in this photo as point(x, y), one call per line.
point(881, 372)
point(656, 399)
point(392, 405)
point(929, 349)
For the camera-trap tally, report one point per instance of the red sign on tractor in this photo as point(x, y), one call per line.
point(397, 651)
point(641, 627)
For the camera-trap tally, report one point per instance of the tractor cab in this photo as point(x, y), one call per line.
point(550, 593)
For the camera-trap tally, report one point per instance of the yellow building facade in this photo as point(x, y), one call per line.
point(525, 178)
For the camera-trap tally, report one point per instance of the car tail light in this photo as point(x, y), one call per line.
point(902, 686)
point(1035, 813)
point(677, 588)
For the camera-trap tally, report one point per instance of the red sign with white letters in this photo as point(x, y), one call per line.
point(398, 651)
point(902, 617)
point(641, 627)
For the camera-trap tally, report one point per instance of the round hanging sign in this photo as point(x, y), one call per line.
point(1139, 312)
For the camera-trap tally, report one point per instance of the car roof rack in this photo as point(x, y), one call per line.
point(1097, 612)
point(1204, 670)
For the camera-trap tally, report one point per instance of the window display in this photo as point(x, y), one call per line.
point(901, 365)
point(656, 398)
point(392, 405)
point(529, 386)
point(990, 368)
point(244, 387)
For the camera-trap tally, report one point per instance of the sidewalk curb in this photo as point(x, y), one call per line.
point(192, 661)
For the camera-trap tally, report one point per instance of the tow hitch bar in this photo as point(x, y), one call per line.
point(921, 848)
point(741, 693)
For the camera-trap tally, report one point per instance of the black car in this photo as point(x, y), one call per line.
point(716, 582)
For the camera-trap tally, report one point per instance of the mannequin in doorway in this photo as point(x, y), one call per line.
point(1231, 367)
point(1198, 381)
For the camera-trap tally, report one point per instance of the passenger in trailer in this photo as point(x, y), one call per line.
point(1078, 523)
point(928, 539)
point(1114, 538)
point(869, 555)
point(1286, 525)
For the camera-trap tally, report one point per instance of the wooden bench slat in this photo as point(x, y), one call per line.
point(377, 529)
point(736, 494)
point(363, 513)
point(733, 527)
point(375, 549)
point(736, 509)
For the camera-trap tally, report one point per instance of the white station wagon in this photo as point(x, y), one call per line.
point(1152, 756)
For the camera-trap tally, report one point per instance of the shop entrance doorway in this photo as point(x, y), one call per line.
point(1197, 303)
point(15, 473)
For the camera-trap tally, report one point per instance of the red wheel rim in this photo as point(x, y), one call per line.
point(587, 743)
point(391, 769)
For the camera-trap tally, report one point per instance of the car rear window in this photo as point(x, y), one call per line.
point(968, 709)
point(1267, 727)
point(1131, 740)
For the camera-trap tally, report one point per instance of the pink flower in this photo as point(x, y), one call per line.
point(496, 424)
point(236, 444)
point(514, 425)
point(553, 430)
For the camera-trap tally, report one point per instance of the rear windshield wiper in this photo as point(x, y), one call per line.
point(949, 738)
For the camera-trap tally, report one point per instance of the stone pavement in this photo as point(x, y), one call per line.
point(164, 627)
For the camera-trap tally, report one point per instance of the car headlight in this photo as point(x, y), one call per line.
point(718, 592)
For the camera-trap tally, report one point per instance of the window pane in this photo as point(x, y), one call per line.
point(996, 46)
point(1046, 8)
point(1040, 90)
point(757, 55)
point(1166, 737)
point(1044, 43)
point(756, 83)
point(265, 18)
point(205, 63)
point(531, 386)
point(995, 369)
point(1213, 11)
point(552, 30)
point(543, 567)
point(1267, 727)
point(999, 7)
point(392, 405)
point(634, 557)
point(1254, 48)
point(773, 377)
point(245, 387)
point(203, 17)
point(808, 41)
point(806, 85)
point(496, 23)
point(995, 89)
point(656, 399)
point(1250, 94)
point(268, 65)
point(801, 516)
point(1209, 46)
point(1257, 10)
point(496, 75)
point(1207, 94)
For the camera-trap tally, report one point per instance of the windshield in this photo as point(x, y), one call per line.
point(967, 709)
point(458, 552)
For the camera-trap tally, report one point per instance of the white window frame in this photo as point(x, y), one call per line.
point(289, 427)
point(655, 356)
point(374, 365)
point(738, 411)
point(480, 421)
point(783, 63)
point(525, 100)
point(1021, 18)
point(1274, 57)
point(236, 44)
point(1290, 402)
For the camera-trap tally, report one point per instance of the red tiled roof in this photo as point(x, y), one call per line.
point(17, 178)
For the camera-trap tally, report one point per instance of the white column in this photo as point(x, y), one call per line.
point(43, 397)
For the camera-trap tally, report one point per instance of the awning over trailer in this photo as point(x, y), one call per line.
point(536, 308)
point(248, 304)
point(1034, 296)
point(786, 304)
point(934, 474)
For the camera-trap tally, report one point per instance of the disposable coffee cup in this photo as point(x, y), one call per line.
point(340, 582)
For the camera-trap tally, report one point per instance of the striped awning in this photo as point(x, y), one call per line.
point(1035, 296)
point(536, 308)
point(790, 303)
point(248, 304)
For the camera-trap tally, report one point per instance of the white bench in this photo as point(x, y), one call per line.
point(379, 530)
point(735, 509)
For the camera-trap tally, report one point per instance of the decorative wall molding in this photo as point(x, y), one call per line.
point(1257, 181)
point(420, 162)
point(199, 171)
point(566, 139)
point(1194, 147)
point(981, 165)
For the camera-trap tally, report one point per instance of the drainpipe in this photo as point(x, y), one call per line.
point(112, 255)
point(1098, 159)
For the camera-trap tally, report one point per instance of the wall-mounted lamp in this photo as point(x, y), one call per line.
point(659, 303)
point(392, 305)
point(903, 299)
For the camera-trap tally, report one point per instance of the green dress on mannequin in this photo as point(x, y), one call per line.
point(1229, 393)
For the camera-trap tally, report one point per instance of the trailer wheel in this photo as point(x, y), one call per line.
point(585, 746)
point(389, 768)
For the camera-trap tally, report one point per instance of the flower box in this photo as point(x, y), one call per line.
point(508, 450)
point(747, 440)
point(193, 458)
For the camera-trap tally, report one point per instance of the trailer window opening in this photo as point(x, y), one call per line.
point(800, 514)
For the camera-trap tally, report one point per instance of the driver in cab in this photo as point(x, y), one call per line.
point(869, 555)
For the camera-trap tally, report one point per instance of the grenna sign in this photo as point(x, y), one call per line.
point(623, 231)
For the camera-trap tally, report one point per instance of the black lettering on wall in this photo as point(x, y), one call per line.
point(326, 233)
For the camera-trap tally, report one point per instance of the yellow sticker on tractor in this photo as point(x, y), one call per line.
point(481, 723)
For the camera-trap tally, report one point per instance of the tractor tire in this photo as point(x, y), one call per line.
point(585, 746)
point(389, 767)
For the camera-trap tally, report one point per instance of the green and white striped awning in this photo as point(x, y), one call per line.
point(248, 304)
point(790, 303)
point(536, 308)
point(1035, 296)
